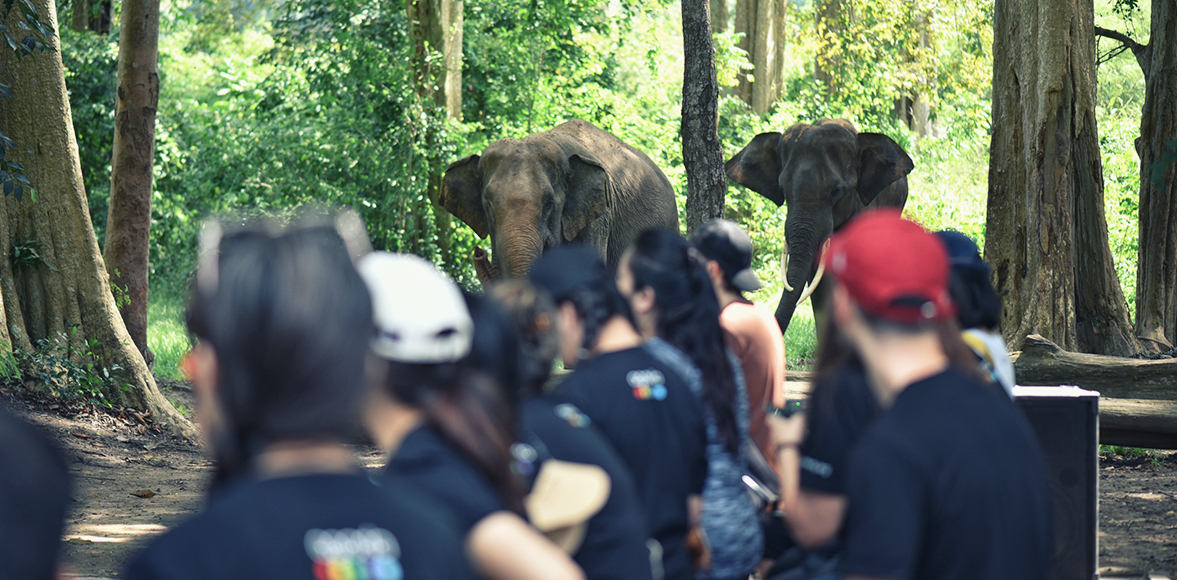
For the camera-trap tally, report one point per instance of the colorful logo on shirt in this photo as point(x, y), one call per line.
point(367, 553)
point(572, 415)
point(647, 384)
point(525, 459)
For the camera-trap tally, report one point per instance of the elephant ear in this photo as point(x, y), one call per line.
point(881, 162)
point(758, 167)
point(585, 197)
point(461, 194)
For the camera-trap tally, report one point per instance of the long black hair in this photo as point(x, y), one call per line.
point(470, 411)
point(533, 315)
point(977, 304)
point(289, 320)
point(688, 318)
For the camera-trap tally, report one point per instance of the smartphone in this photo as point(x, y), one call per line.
point(791, 406)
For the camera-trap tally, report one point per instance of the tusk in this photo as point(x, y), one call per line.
point(785, 267)
point(821, 270)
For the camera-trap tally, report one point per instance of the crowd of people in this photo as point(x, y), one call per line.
point(666, 451)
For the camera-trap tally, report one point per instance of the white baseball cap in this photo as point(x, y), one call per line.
point(420, 314)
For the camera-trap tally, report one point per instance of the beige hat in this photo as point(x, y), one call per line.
point(565, 496)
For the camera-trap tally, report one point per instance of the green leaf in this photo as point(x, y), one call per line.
point(11, 42)
point(9, 186)
point(21, 178)
point(20, 191)
point(16, 166)
point(4, 90)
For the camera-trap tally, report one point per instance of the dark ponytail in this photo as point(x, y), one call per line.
point(468, 408)
point(596, 303)
point(289, 320)
point(688, 318)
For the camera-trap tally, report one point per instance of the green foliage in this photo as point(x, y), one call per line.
point(68, 371)
point(166, 335)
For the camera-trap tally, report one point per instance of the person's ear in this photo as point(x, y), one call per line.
point(714, 271)
point(200, 365)
point(642, 301)
point(843, 310)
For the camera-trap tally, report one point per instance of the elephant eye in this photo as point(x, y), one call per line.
point(837, 192)
point(549, 205)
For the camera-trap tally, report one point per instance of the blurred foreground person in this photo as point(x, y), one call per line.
point(752, 331)
point(666, 283)
point(582, 494)
point(283, 322)
point(640, 404)
point(34, 496)
point(978, 308)
point(449, 428)
point(948, 483)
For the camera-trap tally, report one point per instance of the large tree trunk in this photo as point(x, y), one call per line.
point(702, 151)
point(68, 289)
point(762, 22)
point(1156, 274)
point(829, 25)
point(87, 15)
point(719, 15)
point(128, 221)
point(437, 26)
point(1047, 238)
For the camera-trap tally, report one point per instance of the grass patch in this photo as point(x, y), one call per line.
point(166, 335)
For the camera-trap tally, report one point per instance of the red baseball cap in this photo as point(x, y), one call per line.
point(892, 267)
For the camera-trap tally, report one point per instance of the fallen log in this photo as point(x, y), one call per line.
point(1041, 362)
point(1138, 423)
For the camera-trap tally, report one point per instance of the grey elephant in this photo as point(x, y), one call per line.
point(825, 173)
point(571, 184)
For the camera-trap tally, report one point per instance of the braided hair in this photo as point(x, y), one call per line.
point(688, 318)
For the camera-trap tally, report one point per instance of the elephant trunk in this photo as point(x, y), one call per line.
point(515, 255)
point(801, 249)
point(482, 266)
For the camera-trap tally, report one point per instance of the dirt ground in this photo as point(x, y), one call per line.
point(133, 481)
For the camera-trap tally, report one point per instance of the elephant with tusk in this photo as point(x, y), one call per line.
point(825, 174)
point(573, 184)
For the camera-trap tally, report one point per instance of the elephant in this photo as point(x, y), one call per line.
point(571, 184)
point(825, 173)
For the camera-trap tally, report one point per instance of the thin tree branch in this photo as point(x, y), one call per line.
point(1140, 51)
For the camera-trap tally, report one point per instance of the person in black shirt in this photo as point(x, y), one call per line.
point(642, 406)
point(448, 428)
point(283, 322)
point(610, 543)
point(34, 495)
point(948, 483)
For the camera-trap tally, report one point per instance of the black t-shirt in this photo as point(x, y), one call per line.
point(842, 408)
point(948, 484)
point(433, 467)
point(614, 545)
point(312, 527)
point(655, 424)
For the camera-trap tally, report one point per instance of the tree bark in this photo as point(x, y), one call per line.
point(68, 289)
point(702, 151)
point(128, 220)
point(437, 26)
point(85, 17)
point(829, 23)
point(762, 22)
point(719, 15)
point(1156, 274)
point(1047, 236)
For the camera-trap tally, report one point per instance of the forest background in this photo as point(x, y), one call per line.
point(268, 105)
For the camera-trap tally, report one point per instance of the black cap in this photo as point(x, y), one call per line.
point(728, 244)
point(962, 252)
point(566, 268)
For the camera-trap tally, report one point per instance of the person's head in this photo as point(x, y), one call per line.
point(969, 284)
point(666, 282)
point(534, 315)
point(282, 321)
point(585, 295)
point(34, 497)
point(892, 283)
point(424, 332)
point(495, 347)
point(728, 251)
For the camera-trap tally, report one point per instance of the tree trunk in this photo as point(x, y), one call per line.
point(1047, 238)
point(719, 15)
point(762, 22)
point(1156, 274)
point(829, 25)
point(88, 16)
point(68, 289)
point(129, 218)
point(437, 26)
point(702, 151)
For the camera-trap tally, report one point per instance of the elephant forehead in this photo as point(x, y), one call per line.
point(513, 159)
